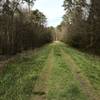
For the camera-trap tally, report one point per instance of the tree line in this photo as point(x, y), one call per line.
point(21, 28)
point(81, 24)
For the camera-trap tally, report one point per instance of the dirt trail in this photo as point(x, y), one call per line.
point(40, 90)
point(78, 75)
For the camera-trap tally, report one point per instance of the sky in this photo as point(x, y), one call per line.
point(52, 9)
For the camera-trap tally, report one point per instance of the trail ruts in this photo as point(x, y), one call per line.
point(40, 90)
point(86, 86)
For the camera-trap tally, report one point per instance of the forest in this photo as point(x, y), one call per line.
point(21, 28)
point(42, 62)
point(81, 24)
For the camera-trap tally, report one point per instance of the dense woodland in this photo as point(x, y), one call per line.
point(21, 28)
point(31, 70)
point(81, 24)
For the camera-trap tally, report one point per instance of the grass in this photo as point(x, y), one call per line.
point(62, 85)
point(20, 75)
point(89, 65)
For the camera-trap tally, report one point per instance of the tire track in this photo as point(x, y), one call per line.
point(85, 84)
point(40, 90)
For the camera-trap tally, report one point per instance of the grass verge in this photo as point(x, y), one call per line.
point(20, 75)
point(89, 65)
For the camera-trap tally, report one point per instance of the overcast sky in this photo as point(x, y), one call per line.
point(52, 9)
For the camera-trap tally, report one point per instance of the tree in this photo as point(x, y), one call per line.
point(38, 17)
point(82, 21)
point(18, 30)
point(30, 3)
